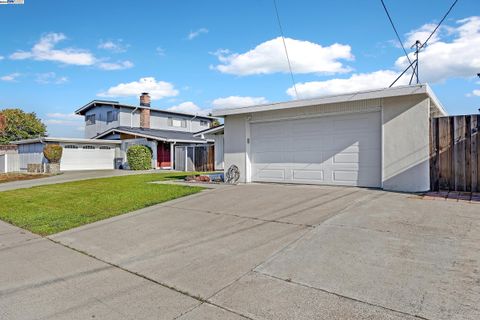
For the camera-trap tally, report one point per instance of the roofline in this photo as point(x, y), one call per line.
point(64, 140)
point(81, 110)
point(353, 96)
point(145, 136)
point(209, 130)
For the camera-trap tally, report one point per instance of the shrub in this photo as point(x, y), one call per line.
point(139, 157)
point(53, 153)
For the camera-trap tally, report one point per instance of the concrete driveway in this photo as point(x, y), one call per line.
point(254, 252)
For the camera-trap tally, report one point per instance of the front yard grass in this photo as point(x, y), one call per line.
point(54, 208)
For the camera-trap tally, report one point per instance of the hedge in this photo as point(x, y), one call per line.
point(53, 153)
point(139, 157)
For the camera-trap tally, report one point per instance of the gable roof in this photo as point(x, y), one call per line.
point(161, 135)
point(209, 131)
point(354, 96)
point(99, 103)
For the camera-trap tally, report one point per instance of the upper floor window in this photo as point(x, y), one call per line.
point(90, 119)
point(203, 123)
point(112, 116)
point(180, 123)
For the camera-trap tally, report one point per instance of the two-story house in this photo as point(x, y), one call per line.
point(179, 141)
point(161, 130)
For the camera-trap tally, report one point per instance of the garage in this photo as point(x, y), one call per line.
point(87, 157)
point(374, 138)
point(332, 150)
point(77, 154)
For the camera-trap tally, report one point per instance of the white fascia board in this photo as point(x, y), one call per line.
point(435, 100)
point(66, 140)
point(355, 96)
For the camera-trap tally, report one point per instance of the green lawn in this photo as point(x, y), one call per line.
point(53, 208)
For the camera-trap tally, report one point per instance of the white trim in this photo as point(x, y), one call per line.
point(317, 115)
point(145, 136)
point(209, 131)
point(382, 151)
point(248, 142)
point(65, 140)
point(348, 97)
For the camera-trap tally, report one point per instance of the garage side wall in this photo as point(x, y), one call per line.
point(235, 144)
point(406, 143)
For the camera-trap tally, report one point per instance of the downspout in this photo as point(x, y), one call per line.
point(191, 122)
point(131, 116)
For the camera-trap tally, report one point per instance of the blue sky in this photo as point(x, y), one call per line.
point(197, 55)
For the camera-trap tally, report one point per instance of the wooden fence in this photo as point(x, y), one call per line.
point(204, 158)
point(455, 153)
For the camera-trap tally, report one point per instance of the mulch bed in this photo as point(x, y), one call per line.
point(9, 177)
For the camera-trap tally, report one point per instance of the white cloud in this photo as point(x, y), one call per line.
point(452, 53)
point(156, 89)
point(64, 120)
point(356, 82)
point(193, 34)
point(65, 116)
point(113, 46)
point(422, 34)
point(120, 65)
point(12, 77)
point(160, 51)
point(476, 93)
point(50, 77)
point(44, 50)
point(269, 57)
point(444, 59)
point(237, 102)
point(2, 57)
point(189, 107)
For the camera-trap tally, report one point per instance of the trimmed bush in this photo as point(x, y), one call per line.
point(53, 153)
point(139, 157)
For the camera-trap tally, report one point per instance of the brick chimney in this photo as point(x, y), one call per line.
point(145, 112)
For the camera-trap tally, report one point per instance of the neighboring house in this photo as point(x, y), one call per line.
point(77, 154)
point(215, 136)
point(168, 134)
point(377, 138)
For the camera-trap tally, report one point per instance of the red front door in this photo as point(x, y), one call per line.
point(163, 155)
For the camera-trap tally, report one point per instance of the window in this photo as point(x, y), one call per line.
point(112, 116)
point(104, 148)
point(71, 146)
point(90, 119)
point(172, 122)
point(203, 123)
point(88, 147)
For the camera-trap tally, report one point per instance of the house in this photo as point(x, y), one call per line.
point(375, 138)
point(114, 126)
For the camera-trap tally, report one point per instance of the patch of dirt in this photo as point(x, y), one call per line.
point(9, 177)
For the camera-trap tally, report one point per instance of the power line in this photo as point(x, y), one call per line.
point(396, 32)
point(438, 25)
point(285, 47)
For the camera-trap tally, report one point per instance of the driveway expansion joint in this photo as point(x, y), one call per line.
point(342, 296)
point(185, 293)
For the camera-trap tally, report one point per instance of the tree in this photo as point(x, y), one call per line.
point(21, 125)
point(215, 122)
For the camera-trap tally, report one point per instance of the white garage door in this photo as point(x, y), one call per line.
point(337, 150)
point(87, 157)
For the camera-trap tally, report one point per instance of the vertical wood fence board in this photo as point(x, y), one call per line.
point(474, 159)
point(468, 150)
point(455, 153)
